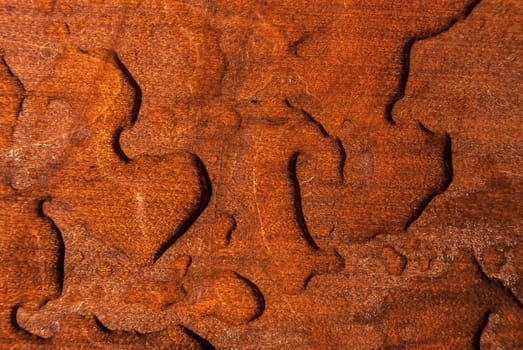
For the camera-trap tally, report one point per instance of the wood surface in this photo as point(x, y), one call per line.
point(247, 174)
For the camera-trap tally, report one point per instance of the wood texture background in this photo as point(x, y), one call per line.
point(261, 174)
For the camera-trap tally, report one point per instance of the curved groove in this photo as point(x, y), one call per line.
point(60, 262)
point(448, 166)
point(258, 295)
point(117, 148)
point(228, 235)
point(448, 173)
point(18, 83)
point(343, 159)
point(205, 197)
point(308, 279)
point(205, 182)
point(21, 331)
point(204, 343)
point(99, 324)
point(313, 120)
point(298, 209)
point(137, 102)
point(135, 111)
point(507, 292)
point(324, 133)
point(405, 71)
point(309, 117)
point(476, 340)
point(424, 128)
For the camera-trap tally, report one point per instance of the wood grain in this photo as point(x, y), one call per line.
point(261, 174)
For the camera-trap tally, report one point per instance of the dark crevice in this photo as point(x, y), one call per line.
point(137, 100)
point(498, 285)
point(60, 259)
point(204, 343)
point(205, 183)
point(60, 262)
point(99, 324)
point(135, 111)
point(405, 57)
point(468, 10)
point(233, 227)
point(476, 340)
point(343, 159)
point(23, 93)
point(448, 174)
point(447, 163)
point(205, 197)
point(308, 279)
point(424, 128)
point(300, 218)
point(448, 166)
point(311, 118)
point(117, 147)
point(325, 134)
point(10, 72)
point(258, 295)
point(18, 82)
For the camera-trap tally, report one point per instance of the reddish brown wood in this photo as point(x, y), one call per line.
point(261, 174)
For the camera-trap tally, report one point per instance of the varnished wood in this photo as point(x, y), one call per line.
point(261, 174)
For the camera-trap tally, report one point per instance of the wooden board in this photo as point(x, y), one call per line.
point(261, 174)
